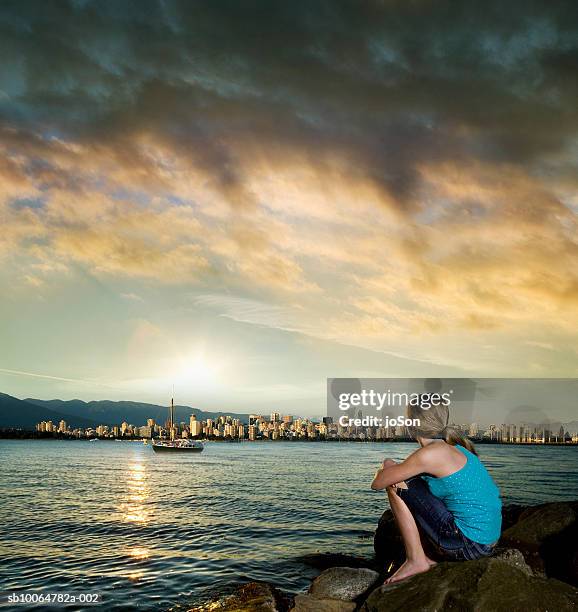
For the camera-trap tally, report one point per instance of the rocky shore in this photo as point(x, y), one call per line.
point(534, 569)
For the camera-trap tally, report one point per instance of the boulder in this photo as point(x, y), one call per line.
point(323, 561)
point(547, 536)
point(309, 603)
point(250, 597)
point(486, 585)
point(345, 583)
point(511, 514)
point(336, 589)
point(387, 542)
point(514, 557)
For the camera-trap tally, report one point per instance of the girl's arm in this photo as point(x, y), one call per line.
point(391, 473)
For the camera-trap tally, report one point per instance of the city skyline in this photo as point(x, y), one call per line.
point(288, 427)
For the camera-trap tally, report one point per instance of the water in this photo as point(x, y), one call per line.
point(150, 531)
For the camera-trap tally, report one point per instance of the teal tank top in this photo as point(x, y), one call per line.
point(472, 497)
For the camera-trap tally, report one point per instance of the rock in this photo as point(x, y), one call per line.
point(513, 557)
point(538, 523)
point(308, 603)
point(345, 583)
point(547, 535)
point(387, 542)
point(323, 561)
point(336, 589)
point(250, 597)
point(486, 585)
point(510, 515)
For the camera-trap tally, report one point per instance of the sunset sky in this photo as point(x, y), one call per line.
point(243, 198)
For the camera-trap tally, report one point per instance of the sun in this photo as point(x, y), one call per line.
point(196, 370)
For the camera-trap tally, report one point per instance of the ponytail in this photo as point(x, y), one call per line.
point(453, 437)
point(433, 423)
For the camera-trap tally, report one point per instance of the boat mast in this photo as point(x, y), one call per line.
point(172, 417)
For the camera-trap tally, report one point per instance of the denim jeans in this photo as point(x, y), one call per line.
point(437, 524)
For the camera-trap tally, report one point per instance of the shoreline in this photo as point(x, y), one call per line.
point(32, 435)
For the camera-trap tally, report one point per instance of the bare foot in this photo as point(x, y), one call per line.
point(410, 568)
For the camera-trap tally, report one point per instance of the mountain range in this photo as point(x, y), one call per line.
point(25, 414)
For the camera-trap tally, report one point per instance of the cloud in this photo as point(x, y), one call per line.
point(547, 346)
point(371, 170)
point(385, 86)
point(132, 297)
point(49, 377)
point(250, 311)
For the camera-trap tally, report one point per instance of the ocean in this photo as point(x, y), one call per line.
point(151, 531)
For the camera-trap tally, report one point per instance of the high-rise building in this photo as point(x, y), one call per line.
point(275, 417)
point(196, 427)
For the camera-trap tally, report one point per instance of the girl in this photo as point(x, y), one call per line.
point(442, 493)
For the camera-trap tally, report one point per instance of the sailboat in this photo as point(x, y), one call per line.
point(176, 446)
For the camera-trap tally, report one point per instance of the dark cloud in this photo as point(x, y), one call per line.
point(386, 85)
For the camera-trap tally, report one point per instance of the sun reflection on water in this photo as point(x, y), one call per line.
point(134, 508)
point(139, 552)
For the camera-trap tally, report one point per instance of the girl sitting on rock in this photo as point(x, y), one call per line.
point(441, 496)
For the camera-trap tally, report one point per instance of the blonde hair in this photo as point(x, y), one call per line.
point(434, 424)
